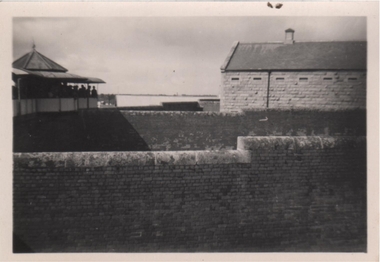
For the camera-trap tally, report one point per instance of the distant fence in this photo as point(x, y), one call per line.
point(30, 106)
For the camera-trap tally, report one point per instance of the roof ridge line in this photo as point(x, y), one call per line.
point(274, 42)
point(230, 55)
point(322, 41)
point(19, 58)
point(308, 55)
point(48, 60)
point(43, 59)
point(30, 54)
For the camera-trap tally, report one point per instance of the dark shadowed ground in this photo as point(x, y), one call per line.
point(91, 130)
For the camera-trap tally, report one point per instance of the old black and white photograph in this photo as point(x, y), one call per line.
point(238, 134)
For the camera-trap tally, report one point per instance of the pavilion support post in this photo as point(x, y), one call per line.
point(60, 91)
point(268, 89)
point(88, 98)
point(19, 96)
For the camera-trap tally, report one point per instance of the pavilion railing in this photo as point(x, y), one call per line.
point(30, 106)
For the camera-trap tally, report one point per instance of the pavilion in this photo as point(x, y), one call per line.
point(42, 85)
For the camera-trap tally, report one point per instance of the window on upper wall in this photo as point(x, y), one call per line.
point(280, 78)
point(303, 79)
point(327, 78)
point(352, 79)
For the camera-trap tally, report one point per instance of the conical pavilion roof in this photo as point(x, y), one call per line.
point(36, 61)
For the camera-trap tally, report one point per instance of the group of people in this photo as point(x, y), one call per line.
point(54, 90)
point(73, 91)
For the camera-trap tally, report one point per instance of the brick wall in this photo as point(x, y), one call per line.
point(322, 89)
point(214, 130)
point(273, 194)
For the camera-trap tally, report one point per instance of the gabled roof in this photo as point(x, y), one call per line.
point(297, 56)
point(36, 61)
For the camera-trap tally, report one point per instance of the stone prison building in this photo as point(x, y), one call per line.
point(327, 75)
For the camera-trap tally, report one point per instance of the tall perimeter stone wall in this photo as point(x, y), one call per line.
point(272, 194)
point(319, 89)
point(168, 131)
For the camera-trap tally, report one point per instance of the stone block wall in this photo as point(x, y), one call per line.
point(273, 194)
point(319, 89)
point(167, 131)
point(243, 90)
point(113, 130)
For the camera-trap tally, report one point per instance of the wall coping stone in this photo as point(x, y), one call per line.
point(155, 113)
point(104, 159)
point(245, 146)
point(241, 112)
point(254, 143)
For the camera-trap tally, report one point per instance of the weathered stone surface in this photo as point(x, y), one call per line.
point(169, 131)
point(265, 143)
point(222, 157)
point(299, 142)
point(344, 142)
point(289, 194)
point(83, 159)
point(104, 159)
point(175, 158)
point(322, 89)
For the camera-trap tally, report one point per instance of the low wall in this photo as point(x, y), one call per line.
point(181, 106)
point(215, 130)
point(27, 106)
point(273, 194)
point(68, 104)
point(154, 100)
point(210, 104)
point(167, 106)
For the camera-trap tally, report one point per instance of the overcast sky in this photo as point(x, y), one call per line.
point(164, 55)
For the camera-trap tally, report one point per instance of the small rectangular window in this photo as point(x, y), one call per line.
point(280, 78)
point(303, 78)
point(257, 78)
point(327, 78)
point(235, 79)
point(352, 79)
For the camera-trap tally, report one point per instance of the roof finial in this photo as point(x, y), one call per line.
point(34, 45)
